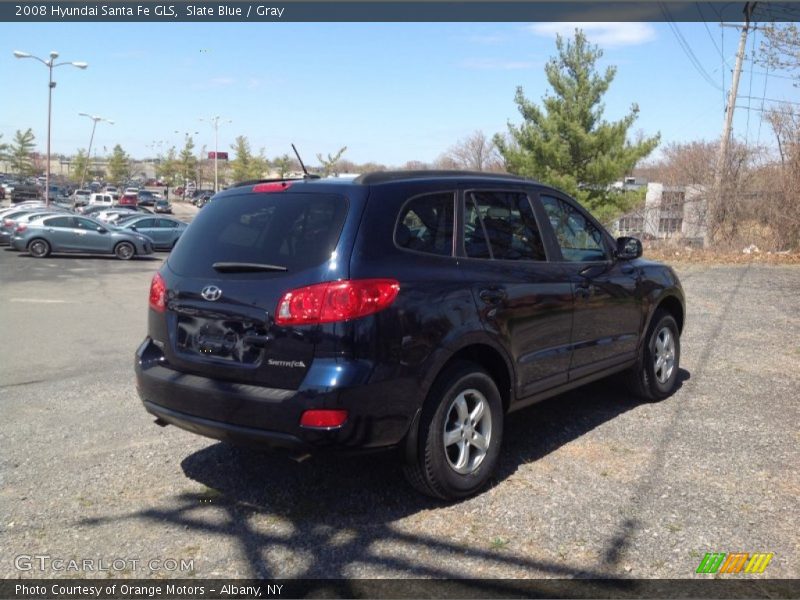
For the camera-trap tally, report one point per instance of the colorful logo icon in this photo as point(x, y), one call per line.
point(734, 562)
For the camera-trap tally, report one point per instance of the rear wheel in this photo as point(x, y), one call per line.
point(460, 432)
point(124, 250)
point(39, 248)
point(655, 375)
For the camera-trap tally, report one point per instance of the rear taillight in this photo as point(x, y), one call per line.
point(158, 294)
point(272, 186)
point(21, 228)
point(323, 419)
point(8, 222)
point(335, 301)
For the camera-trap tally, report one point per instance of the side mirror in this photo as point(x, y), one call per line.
point(101, 230)
point(133, 228)
point(628, 248)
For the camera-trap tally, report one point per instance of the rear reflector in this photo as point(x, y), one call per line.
point(336, 301)
point(158, 294)
point(272, 186)
point(323, 419)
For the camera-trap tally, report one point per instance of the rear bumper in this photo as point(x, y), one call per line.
point(379, 413)
point(227, 432)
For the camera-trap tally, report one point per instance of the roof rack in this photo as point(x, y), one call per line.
point(385, 176)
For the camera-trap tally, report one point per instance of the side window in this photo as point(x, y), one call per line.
point(167, 224)
point(85, 224)
point(501, 225)
point(579, 239)
point(145, 224)
point(426, 224)
point(59, 222)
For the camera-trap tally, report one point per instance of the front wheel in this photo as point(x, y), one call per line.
point(460, 432)
point(124, 250)
point(655, 375)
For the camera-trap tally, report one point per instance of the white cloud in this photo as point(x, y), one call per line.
point(603, 34)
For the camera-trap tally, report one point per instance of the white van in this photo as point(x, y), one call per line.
point(102, 199)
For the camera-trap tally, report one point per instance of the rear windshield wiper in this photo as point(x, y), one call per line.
point(245, 267)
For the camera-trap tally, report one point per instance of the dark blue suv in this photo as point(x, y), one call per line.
point(405, 310)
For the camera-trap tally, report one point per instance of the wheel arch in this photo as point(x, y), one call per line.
point(491, 359)
point(673, 306)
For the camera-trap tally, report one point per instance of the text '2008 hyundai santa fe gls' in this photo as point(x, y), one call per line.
point(406, 310)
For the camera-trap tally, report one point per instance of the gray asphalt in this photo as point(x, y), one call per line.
point(591, 483)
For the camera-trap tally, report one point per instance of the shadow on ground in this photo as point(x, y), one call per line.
point(337, 513)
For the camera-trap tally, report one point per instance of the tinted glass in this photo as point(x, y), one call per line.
point(145, 223)
point(167, 224)
point(426, 224)
point(501, 225)
point(579, 239)
point(296, 231)
point(86, 224)
point(58, 222)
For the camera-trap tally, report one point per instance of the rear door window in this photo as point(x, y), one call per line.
point(501, 225)
point(296, 231)
point(426, 224)
point(59, 222)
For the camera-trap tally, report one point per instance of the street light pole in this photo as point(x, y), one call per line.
point(50, 64)
point(215, 123)
point(96, 119)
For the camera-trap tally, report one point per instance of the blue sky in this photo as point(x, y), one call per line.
point(390, 92)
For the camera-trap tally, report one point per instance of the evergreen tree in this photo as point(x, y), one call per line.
point(246, 165)
point(567, 143)
point(21, 155)
point(187, 161)
point(119, 166)
point(169, 169)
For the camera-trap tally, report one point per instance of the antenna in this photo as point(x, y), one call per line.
point(297, 154)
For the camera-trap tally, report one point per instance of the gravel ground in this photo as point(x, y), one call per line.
point(590, 483)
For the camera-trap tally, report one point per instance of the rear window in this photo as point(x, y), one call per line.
point(296, 231)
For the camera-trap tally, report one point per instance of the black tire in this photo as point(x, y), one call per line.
point(645, 379)
point(435, 469)
point(124, 251)
point(39, 248)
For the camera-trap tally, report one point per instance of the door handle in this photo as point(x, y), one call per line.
point(492, 296)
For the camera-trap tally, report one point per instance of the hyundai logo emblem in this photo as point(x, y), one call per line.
point(211, 293)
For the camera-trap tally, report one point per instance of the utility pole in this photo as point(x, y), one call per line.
point(729, 110)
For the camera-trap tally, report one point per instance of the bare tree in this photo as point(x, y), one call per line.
point(475, 152)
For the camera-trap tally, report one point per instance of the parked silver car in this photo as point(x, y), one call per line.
point(66, 233)
point(164, 231)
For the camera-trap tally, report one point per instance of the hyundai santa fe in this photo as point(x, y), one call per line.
point(406, 310)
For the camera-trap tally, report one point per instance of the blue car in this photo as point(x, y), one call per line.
point(164, 231)
point(66, 233)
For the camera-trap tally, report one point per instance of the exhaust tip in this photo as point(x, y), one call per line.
point(160, 422)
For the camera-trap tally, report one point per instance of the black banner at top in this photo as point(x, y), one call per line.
point(391, 11)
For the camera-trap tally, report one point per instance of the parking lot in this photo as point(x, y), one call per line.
point(590, 484)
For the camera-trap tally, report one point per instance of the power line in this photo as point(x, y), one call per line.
point(768, 74)
point(770, 100)
point(686, 47)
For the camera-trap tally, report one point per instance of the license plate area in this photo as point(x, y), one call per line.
point(221, 339)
